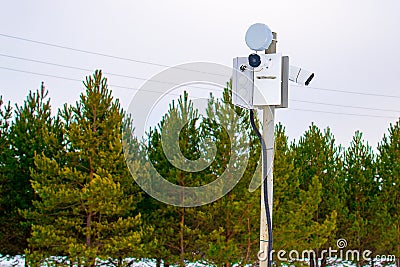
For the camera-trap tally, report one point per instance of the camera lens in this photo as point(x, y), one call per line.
point(254, 60)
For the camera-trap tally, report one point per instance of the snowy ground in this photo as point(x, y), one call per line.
point(20, 261)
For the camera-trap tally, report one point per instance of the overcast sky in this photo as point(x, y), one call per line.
point(351, 46)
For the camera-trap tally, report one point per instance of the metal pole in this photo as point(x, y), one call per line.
point(269, 139)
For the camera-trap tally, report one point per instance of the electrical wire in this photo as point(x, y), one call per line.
point(137, 89)
point(104, 55)
point(165, 82)
point(40, 74)
point(86, 69)
point(83, 51)
point(168, 66)
point(343, 113)
point(343, 106)
point(77, 80)
point(265, 187)
point(345, 92)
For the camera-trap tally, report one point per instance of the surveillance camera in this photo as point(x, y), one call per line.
point(254, 60)
point(264, 85)
point(300, 76)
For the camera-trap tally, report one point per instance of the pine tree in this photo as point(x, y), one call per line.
point(34, 130)
point(175, 228)
point(361, 190)
point(86, 199)
point(5, 157)
point(232, 237)
point(295, 205)
point(388, 164)
point(316, 155)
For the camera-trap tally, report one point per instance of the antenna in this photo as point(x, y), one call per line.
point(259, 37)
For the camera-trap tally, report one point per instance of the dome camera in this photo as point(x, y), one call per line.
point(254, 60)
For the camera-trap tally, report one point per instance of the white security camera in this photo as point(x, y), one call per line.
point(260, 80)
point(263, 79)
point(300, 76)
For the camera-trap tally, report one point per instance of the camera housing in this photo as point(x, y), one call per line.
point(264, 85)
point(300, 76)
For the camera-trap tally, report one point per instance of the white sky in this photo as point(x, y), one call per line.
point(350, 45)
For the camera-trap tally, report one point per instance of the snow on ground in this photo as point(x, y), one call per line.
point(19, 261)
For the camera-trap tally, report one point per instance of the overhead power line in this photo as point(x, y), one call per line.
point(159, 65)
point(40, 74)
point(346, 92)
point(343, 113)
point(136, 89)
point(104, 55)
point(83, 51)
point(77, 80)
point(168, 66)
point(343, 106)
point(165, 82)
point(86, 69)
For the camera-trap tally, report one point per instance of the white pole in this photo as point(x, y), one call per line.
point(269, 139)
